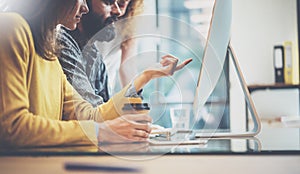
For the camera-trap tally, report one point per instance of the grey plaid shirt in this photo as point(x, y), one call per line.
point(85, 71)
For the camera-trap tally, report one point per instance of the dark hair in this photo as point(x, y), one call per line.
point(42, 17)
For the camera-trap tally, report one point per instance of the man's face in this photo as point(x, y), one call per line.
point(99, 18)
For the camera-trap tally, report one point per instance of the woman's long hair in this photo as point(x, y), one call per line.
point(42, 17)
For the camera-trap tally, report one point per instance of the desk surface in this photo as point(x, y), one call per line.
point(275, 151)
point(269, 141)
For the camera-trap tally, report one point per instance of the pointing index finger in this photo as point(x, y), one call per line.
point(184, 63)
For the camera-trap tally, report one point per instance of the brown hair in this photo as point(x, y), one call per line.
point(134, 8)
point(42, 16)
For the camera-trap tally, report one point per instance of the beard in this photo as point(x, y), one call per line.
point(95, 26)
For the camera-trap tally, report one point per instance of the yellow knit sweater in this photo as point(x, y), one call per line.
point(37, 104)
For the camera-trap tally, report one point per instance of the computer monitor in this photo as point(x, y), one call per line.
point(217, 52)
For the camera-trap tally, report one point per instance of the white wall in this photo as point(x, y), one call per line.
point(257, 26)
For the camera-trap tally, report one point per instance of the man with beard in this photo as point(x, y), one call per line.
point(85, 70)
point(82, 62)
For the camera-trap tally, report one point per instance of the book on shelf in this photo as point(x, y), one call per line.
point(286, 63)
point(279, 63)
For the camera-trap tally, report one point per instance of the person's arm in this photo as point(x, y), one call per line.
point(113, 108)
point(127, 128)
point(75, 107)
point(112, 125)
point(128, 69)
point(168, 67)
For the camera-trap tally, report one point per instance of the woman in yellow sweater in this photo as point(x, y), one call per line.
point(38, 107)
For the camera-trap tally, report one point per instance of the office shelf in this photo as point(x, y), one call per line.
point(274, 86)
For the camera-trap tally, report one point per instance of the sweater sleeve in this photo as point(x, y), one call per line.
point(19, 126)
point(75, 108)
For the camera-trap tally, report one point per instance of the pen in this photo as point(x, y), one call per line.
point(76, 166)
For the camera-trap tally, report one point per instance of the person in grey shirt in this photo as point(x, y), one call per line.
point(85, 70)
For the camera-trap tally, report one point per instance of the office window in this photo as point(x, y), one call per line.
point(181, 28)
